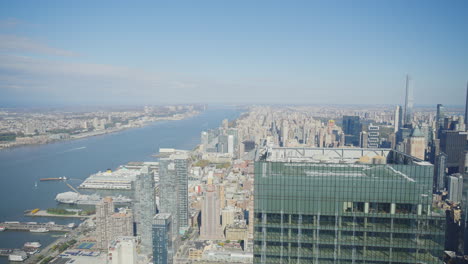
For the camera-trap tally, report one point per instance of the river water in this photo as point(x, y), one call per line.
point(21, 168)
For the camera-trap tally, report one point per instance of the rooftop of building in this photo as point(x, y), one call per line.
point(313, 173)
point(337, 156)
point(417, 132)
point(139, 164)
point(121, 239)
point(237, 225)
point(162, 216)
point(121, 214)
point(173, 153)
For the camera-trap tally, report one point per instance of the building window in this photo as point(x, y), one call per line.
point(405, 209)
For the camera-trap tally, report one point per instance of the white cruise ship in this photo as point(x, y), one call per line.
point(76, 198)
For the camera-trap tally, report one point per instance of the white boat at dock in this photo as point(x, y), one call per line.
point(39, 230)
point(32, 244)
point(18, 256)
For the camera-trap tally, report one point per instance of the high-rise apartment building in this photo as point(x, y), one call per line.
point(145, 208)
point(455, 187)
point(204, 140)
point(440, 116)
point(373, 136)
point(163, 251)
point(121, 224)
point(104, 210)
point(173, 186)
point(181, 167)
point(352, 129)
point(440, 169)
point(110, 224)
point(397, 119)
point(319, 205)
point(363, 139)
point(231, 144)
point(408, 111)
point(466, 107)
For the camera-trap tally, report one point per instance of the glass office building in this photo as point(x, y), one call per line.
point(162, 239)
point(344, 206)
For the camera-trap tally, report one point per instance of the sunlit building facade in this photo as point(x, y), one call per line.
point(145, 208)
point(345, 206)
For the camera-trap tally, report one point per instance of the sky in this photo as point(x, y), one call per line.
point(290, 52)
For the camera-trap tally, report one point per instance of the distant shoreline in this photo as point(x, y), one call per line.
point(102, 132)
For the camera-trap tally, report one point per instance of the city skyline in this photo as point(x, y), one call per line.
point(234, 132)
point(330, 53)
point(268, 184)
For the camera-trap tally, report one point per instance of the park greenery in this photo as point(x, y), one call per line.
point(59, 211)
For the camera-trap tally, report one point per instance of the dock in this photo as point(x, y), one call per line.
point(28, 226)
point(43, 213)
point(4, 252)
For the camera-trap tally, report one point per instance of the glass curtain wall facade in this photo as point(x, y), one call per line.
point(162, 239)
point(181, 167)
point(145, 208)
point(346, 212)
point(173, 188)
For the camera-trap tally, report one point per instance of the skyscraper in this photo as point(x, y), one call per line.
point(352, 129)
point(408, 112)
point(145, 208)
point(104, 209)
point(285, 133)
point(173, 186)
point(319, 205)
point(231, 144)
point(455, 187)
point(162, 239)
point(416, 145)
point(181, 166)
point(373, 136)
point(204, 140)
point(363, 139)
point(440, 167)
point(398, 118)
point(453, 143)
point(210, 213)
point(466, 108)
point(440, 118)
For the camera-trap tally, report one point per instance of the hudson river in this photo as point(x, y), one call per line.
point(21, 168)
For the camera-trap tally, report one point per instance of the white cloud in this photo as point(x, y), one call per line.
point(85, 81)
point(13, 43)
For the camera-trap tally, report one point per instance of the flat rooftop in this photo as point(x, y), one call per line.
point(173, 153)
point(162, 216)
point(337, 156)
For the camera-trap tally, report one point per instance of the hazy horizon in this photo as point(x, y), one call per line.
point(239, 52)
